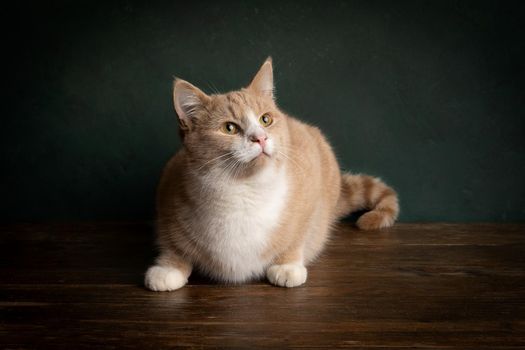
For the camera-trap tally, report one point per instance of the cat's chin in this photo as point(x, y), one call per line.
point(258, 161)
point(257, 164)
point(263, 157)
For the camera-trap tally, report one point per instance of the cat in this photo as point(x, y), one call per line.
point(253, 191)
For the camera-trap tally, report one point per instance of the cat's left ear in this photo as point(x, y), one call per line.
point(188, 100)
point(262, 83)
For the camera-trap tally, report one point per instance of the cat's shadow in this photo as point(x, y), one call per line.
point(352, 218)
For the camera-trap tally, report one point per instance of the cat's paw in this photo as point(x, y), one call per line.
point(287, 275)
point(161, 279)
point(374, 220)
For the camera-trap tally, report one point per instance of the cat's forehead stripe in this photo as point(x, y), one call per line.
point(251, 116)
point(253, 125)
point(231, 110)
point(237, 102)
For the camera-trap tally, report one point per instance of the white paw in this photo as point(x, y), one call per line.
point(160, 279)
point(287, 275)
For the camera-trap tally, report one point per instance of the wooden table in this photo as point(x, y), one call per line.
point(79, 285)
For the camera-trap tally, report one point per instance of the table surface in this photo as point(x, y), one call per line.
point(79, 285)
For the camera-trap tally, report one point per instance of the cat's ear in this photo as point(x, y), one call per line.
point(262, 83)
point(188, 99)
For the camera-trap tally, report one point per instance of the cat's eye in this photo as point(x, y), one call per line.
point(230, 128)
point(265, 120)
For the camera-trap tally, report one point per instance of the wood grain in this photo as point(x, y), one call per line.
point(79, 285)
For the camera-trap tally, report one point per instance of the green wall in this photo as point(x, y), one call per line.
point(427, 94)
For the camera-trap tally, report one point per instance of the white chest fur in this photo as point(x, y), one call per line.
point(234, 222)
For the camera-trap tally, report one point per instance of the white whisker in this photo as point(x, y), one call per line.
point(290, 158)
point(216, 158)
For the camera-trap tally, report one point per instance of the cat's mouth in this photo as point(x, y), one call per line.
point(264, 153)
point(258, 155)
point(261, 156)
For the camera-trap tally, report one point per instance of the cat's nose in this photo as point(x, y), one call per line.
point(260, 139)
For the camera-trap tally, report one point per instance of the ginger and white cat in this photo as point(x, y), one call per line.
point(253, 191)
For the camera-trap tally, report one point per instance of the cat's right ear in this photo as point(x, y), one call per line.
point(187, 99)
point(262, 83)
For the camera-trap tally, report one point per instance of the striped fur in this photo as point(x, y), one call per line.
point(364, 192)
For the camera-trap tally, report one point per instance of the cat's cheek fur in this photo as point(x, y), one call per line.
point(270, 147)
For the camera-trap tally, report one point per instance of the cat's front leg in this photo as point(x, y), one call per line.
point(288, 270)
point(170, 272)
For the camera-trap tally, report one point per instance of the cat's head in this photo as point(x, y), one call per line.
point(239, 132)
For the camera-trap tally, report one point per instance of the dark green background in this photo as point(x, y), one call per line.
point(429, 95)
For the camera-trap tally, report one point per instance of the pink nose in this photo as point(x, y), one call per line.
point(261, 140)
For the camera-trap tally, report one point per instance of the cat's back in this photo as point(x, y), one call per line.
point(317, 172)
point(313, 146)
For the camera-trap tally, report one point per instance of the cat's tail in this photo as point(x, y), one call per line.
point(363, 192)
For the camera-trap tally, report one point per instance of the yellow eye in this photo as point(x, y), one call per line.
point(265, 120)
point(230, 128)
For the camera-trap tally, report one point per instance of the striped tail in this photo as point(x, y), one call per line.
point(363, 192)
